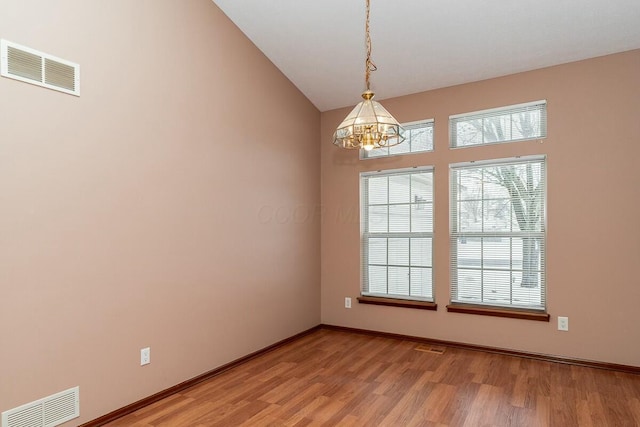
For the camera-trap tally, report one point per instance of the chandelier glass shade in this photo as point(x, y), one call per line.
point(369, 125)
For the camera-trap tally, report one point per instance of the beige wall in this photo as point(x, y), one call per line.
point(151, 212)
point(593, 243)
point(166, 207)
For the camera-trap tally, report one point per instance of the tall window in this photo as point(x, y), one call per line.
point(397, 234)
point(498, 222)
point(418, 138)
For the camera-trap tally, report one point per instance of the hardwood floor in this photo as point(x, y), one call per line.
point(332, 378)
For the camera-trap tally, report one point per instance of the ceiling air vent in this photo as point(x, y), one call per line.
point(30, 66)
point(50, 411)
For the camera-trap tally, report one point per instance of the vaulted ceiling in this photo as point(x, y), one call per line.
point(420, 45)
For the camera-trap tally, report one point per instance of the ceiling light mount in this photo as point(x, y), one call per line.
point(369, 125)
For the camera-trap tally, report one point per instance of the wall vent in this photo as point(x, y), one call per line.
point(50, 411)
point(30, 66)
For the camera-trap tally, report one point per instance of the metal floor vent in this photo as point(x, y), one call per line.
point(50, 411)
point(430, 349)
point(41, 69)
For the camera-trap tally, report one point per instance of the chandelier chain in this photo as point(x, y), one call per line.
point(369, 65)
point(369, 125)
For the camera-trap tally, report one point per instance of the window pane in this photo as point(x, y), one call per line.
point(421, 282)
point(400, 189)
point(469, 252)
point(377, 279)
point(421, 187)
point(470, 184)
point(378, 190)
point(399, 280)
point(497, 128)
point(516, 253)
point(377, 251)
point(493, 185)
point(497, 215)
point(422, 217)
point(526, 125)
point(422, 139)
point(399, 251)
point(469, 133)
point(402, 148)
point(378, 218)
point(531, 261)
point(526, 295)
point(497, 287)
point(497, 253)
point(470, 216)
point(469, 285)
point(421, 252)
point(399, 218)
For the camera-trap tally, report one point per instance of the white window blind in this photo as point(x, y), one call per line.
point(418, 138)
point(506, 124)
point(397, 234)
point(498, 222)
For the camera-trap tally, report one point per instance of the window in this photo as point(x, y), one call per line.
point(418, 138)
point(498, 222)
point(506, 124)
point(397, 234)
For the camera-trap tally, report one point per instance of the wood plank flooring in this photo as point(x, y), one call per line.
point(333, 378)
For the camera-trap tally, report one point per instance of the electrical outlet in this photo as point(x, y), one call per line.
point(145, 356)
point(347, 302)
point(563, 323)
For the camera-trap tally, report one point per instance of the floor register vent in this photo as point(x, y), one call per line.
point(38, 68)
point(50, 411)
point(430, 349)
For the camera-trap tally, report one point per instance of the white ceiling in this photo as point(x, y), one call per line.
point(420, 45)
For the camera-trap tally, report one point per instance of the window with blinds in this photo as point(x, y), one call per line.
point(418, 138)
point(498, 222)
point(506, 124)
point(397, 234)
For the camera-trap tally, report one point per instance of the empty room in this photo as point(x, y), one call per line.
point(319, 213)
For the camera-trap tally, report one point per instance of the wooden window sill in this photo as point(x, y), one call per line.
point(498, 312)
point(393, 302)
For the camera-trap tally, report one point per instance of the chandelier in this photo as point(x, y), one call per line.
point(369, 125)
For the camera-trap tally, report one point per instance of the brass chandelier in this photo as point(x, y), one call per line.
point(369, 125)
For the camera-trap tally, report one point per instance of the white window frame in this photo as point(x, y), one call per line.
point(365, 155)
point(494, 113)
point(456, 235)
point(366, 235)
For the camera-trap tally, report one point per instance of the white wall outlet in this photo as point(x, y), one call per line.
point(145, 356)
point(563, 323)
point(347, 302)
